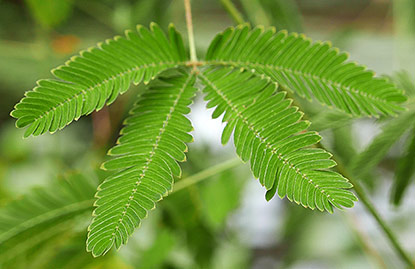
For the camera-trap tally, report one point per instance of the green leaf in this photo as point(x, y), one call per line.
point(405, 82)
point(43, 214)
point(50, 13)
point(220, 195)
point(283, 14)
point(152, 142)
point(370, 157)
point(156, 255)
point(269, 133)
point(330, 119)
point(311, 69)
point(405, 170)
point(96, 77)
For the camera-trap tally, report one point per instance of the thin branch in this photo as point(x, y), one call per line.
point(204, 174)
point(361, 194)
point(364, 241)
point(97, 11)
point(190, 34)
point(257, 13)
point(233, 12)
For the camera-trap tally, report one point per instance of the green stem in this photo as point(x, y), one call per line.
point(364, 241)
point(257, 13)
point(361, 194)
point(204, 174)
point(100, 12)
point(233, 12)
point(358, 189)
point(190, 34)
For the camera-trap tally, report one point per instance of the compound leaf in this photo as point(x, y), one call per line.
point(311, 69)
point(96, 77)
point(146, 156)
point(43, 214)
point(269, 133)
point(392, 131)
point(405, 170)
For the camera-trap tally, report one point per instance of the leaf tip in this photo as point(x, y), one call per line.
point(102, 167)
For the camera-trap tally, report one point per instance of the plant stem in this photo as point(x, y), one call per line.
point(190, 34)
point(231, 9)
point(204, 174)
point(361, 194)
point(358, 189)
point(364, 241)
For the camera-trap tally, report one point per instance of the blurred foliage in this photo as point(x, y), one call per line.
point(50, 13)
point(42, 219)
point(195, 227)
point(393, 131)
point(283, 14)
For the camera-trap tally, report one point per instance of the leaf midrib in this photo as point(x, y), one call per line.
point(149, 161)
point(247, 64)
point(35, 239)
point(262, 139)
point(105, 81)
point(57, 212)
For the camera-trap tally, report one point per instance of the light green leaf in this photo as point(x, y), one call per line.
point(311, 69)
point(96, 77)
point(43, 214)
point(221, 195)
point(370, 157)
point(405, 170)
point(152, 142)
point(50, 13)
point(269, 133)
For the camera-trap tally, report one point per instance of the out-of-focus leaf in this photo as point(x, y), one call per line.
point(155, 256)
point(344, 146)
point(379, 147)
point(405, 170)
point(283, 14)
point(404, 81)
point(50, 13)
point(43, 215)
point(330, 119)
point(231, 255)
point(146, 11)
point(182, 212)
point(220, 196)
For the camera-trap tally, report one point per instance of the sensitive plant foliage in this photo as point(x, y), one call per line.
point(244, 76)
point(379, 147)
point(392, 131)
point(269, 133)
point(49, 13)
point(152, 142)
point(283, 14)
point(44, 215)
point(405, 170)
point(312, 70)
point(96, 77)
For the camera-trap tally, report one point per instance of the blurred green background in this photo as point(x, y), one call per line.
point(223, 222)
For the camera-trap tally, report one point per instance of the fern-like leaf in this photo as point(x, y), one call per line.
point(43, 214)
point(152, 141)
point(405, 170)
point(96, 77)
point(392, 131)
point(269, 133)
point(311, 69)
